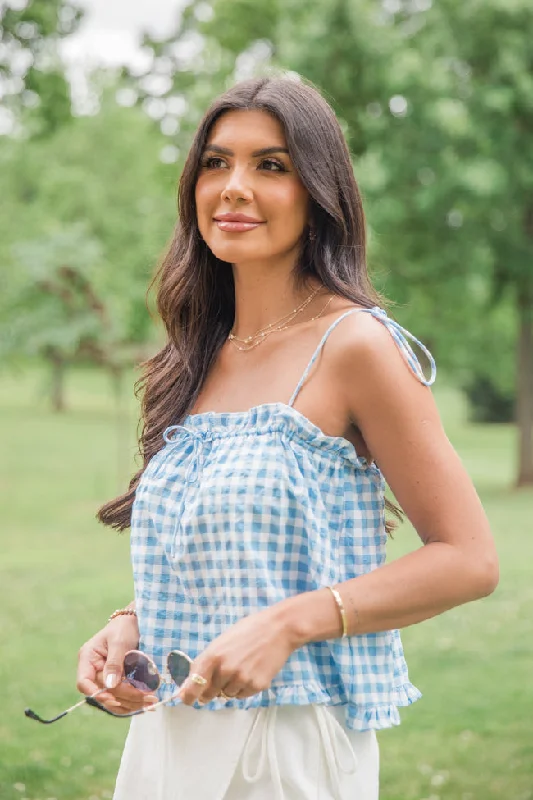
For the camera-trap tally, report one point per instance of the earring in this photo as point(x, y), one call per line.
point(312, 234)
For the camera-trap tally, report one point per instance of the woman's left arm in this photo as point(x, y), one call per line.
point(400, 423)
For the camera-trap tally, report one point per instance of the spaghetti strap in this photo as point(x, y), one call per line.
point(400, 336)
point(317, 353)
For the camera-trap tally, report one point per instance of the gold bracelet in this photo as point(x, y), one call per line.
point(122, 612)
point(338, 600)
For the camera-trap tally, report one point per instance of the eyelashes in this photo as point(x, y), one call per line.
point(267, 164)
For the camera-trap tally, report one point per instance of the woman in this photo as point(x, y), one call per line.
point(258, 525)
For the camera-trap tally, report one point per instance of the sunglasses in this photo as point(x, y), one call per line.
point(140, 672)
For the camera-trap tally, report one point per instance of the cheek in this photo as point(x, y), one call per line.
point(204, 206)
point(292, 206)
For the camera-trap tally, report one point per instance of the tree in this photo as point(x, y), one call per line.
point(460, 205)
point(106, 173)
point(438, 106)
point(437, 103)
point(54, 310)
point(86, 213)
point(31, 72)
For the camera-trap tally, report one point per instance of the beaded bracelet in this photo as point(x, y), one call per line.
point(338, 600)
point(122, 612)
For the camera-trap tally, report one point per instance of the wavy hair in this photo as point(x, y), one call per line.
point(195, 296)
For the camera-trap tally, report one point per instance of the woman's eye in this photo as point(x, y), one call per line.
point(213, 162)
point(268, 164)
point(271, 165)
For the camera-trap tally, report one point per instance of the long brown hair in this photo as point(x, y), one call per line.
point(195, 296)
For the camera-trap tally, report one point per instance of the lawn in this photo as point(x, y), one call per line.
point(469, 738)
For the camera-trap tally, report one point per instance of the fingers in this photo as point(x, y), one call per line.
point(86, 686)
point(106, 651)
point(90, 661)
point(125, 697)
point(113, 670)
point(123, 707)
point(192, 691)
point(219, 686)
point(227, 680)
point(100, 665)
point(233, 690)
point(112, 703)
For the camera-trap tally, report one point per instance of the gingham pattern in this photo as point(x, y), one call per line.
point(238, 511)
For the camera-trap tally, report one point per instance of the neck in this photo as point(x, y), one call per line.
point(263, 296)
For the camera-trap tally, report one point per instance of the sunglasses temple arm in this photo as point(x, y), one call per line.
point(32, 715)
point(95, 704)
point(162, 702)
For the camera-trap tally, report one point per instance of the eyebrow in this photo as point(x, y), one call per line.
point(264, 151)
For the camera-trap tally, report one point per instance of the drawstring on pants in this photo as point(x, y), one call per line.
point(332, 737)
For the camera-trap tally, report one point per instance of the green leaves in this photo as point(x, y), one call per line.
point(93, 198)
point(238, 24)
point(437, 104)
point(35, 90)
point(52, 302)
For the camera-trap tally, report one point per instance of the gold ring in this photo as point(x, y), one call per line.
point(225, 696)
point(199, 679)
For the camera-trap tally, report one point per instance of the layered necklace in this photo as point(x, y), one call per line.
point(282, 324)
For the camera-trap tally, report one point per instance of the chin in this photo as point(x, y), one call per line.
point(234, 253)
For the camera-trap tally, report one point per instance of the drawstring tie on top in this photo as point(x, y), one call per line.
point(400, 336)
point(197, 454)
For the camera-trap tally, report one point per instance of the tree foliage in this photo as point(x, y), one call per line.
point(32, 79)
point(436, 100)
point(437, 103)
point(89, 209)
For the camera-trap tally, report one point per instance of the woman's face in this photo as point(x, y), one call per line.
point(250, 202)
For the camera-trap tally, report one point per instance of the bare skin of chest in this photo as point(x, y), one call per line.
point(270, 373)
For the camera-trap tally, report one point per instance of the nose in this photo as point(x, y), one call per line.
point(238, 186)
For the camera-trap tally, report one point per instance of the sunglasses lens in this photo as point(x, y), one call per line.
point(140, 672)
point(179, 667)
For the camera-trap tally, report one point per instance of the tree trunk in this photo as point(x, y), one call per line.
point(524, 404)
point(57, 388)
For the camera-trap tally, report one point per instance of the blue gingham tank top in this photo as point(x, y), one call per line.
point(241, 510)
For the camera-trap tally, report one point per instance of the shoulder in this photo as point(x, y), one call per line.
point(362, 340)
point(375, 369)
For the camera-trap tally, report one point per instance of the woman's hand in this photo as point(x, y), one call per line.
point(244, 659)
point(100, 664)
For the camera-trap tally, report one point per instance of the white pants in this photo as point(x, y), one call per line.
point(274, 753)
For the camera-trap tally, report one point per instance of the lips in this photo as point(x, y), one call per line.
point(237, 227)
point(237, 223)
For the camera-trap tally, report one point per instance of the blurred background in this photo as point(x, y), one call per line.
point(98, 102)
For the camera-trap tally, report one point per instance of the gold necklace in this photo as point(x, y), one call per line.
point(276, 330)
point(285, 318)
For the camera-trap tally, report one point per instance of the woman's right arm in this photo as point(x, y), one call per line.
point(100, 663)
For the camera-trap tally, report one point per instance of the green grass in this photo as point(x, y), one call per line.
point(469, 738)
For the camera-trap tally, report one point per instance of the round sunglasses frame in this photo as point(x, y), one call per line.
point(152, 668)
point(155, 672)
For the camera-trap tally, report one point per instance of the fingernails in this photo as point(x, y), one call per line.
point(111, 681)
point(150, 700)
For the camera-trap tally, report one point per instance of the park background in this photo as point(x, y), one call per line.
point(436, 100)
